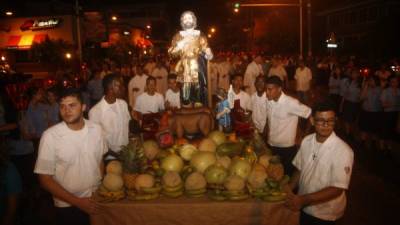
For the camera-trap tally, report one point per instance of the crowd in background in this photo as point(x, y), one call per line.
point(366, 94)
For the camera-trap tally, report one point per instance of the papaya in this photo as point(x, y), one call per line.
point(230, 149)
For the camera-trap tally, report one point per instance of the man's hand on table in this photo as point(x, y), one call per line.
point(90, 206)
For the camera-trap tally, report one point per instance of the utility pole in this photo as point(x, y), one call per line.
point(78, 31)
point(309, 30)
point(301, 27)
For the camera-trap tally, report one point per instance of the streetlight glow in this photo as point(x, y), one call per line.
point(3, 58)
point(148, 27)
point(209, 36)
point(236, 10)
point(114, 18)
point(212, 30)
point(9, 13)
point(68, 55)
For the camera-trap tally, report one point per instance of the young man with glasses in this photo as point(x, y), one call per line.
point(324, 164)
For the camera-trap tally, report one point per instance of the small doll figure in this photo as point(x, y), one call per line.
point(223, 111)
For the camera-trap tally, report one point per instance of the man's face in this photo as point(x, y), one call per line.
point(188, 21)
point(39, 95)
point(324, 123)
point(71, 110)
point(237, 82)
point(172, 84)
point(51, 97)
point(151, 87)
point(260, 85)
point(117, 88)
point(273, 91)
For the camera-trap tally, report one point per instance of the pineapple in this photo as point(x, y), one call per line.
point(133, 162)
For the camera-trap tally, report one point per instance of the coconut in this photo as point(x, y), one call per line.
point(234, 183)
point(113, 182)
point(151, 149)
point(218, 137)
point(144, 181)
point(201, 160)
point(257, 178)
point(114, 167)
point(225, 161)
point(171, 179)
point(172, 163)
point(264, 160)
point(216, 174)
point(240, 167)
point(207, 145)
point(195, 181)
point(187, 151)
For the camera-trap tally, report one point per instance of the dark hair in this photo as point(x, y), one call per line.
point(236, 75)
point(259, 77)
point(171, 76)
point(274, 80)
point(71, 92)
point(53, 90)
point(32, 91)
point(150, 78)
point(107, 81)
point(324, 106)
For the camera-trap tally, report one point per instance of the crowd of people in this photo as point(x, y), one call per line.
point(277, 92)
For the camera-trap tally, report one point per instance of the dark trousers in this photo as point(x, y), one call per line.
point(306, 219)
point(71, 216)
point(286, 155)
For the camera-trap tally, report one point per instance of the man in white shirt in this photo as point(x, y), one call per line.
point(69, 162)
point(150, 101)
point(239, 96)
point(279, 70)
point(224, 69)
point(253, 70)
point(259, 105)
point(172, 96)
point(136, 85)
point(303, 77)
point(324, 164)
point(283, 113)
point(161, 74)
point(112, 113)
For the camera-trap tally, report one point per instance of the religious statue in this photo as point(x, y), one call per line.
point(191, 48)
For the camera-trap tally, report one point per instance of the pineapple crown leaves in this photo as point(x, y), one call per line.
point(132, 157)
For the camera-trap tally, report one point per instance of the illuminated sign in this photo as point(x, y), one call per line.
point(40, 24)
point(330, 45)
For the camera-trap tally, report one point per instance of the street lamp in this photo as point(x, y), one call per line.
point(3, 58)
point(148, 27)
point(212, 30)
point(114, 18)
point(68, 55)
point(9, 13)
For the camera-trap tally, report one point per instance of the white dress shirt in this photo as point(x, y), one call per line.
point(114, 119)
point(303, 79)
point(174, 98)
point(136, 82)
point(259, 111)
point(279, 71)
point(282, 117)
point(322, 165)
point(245, 101)
point(73, 158)
point(252, 71)
point(146, 103)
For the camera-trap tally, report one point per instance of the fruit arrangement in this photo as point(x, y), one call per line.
point(221, 167)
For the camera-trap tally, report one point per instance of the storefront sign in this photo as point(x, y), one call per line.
point(40, 24)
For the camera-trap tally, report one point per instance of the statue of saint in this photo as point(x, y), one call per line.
point(191, 48)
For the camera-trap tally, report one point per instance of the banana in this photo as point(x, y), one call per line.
point(152, 190)
point(216, 197)
point(142, 197)
point(173, 194)
point(238, 197)
point(196, 191)
point(178, 187)
point(233, 193)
